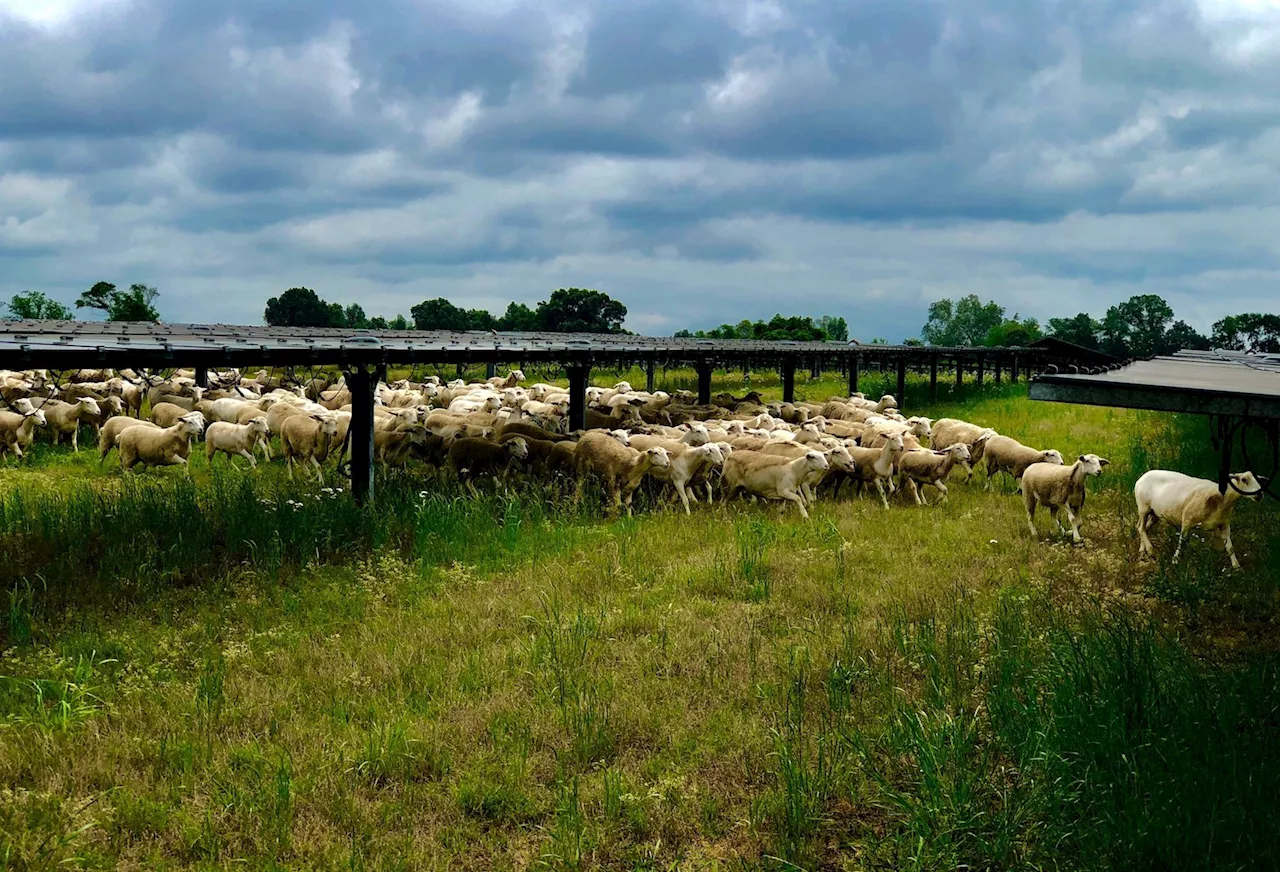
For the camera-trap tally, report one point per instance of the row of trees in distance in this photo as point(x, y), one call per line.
point(135, 304)
point(1142, 326)
point(779, 328)
point(568, 310)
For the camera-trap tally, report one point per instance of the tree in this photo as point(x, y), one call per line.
point(965, 322)
point(1081, 330)
point(912, 342)
point(135, 304)
point(439, 314)
point(836, 329)
point(1136, 327)
point(377, 322)
point(518, 317)
point(1182, 335)
point(399, 322)
point(353, 316)
point(579, 310)
point(299, 307)
point(1014, 333)
point(1251, 331)
point(35, 306)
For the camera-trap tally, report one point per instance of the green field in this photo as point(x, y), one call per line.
point(235, 671)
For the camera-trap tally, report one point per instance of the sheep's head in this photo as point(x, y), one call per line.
point(622, 436)
point(1092, 463)
point(594, 394)
point(191, 424)
point(516, 375)
point(38, 415)
point(816, 460)
point(1247, 484)
point(115, 404)
point(714, 451)
point(1053, 455)
point(840, 458)
point(894, 444)
point(90, 405)
point(697, 434)
point(623, 387)
point(959, 453)
point(23, 405)
point(517, 448)
point(258, 426)
point(888, 402)
point(659, 457)
point(921, 427)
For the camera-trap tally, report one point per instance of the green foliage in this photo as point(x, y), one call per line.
point(135, 304)
point(578, 310)
point(835, 328)
point(1252, 331)
point(1136, 327)
point(964, 322)
point(35, 306)
point(299, 307)
point(1014, 332)
point(795, 328)
point(1082, 330)
point(518, 318)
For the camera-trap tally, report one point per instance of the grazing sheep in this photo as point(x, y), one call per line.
point(621, 468)
point(1005, 454)
point(472, 457)
point(1188, 503)
point(308, 437)
point(771, 477)
point(1056, 486)
point(930, 467)
point(236, 439)
point(64, 419)
point(952, 431)
point(167, 414)
point(167, 446)
point(18, 429)
point(109, 435)
point(838, 461)
point(688, 460)
point(876, 465)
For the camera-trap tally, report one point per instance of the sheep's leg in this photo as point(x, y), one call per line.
point(710, 495)
point(684, 497)
point(1075, 524)
point(915, 492)
point(798, 500)
point(946, 497)
point(319, 470)
point(1144, 542)
point(1182, 535)
point(880, 487)
point(75, 438)
point(253, 461)
point(289, 460)
point(1226, 542)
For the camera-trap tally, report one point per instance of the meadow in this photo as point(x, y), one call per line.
point(232, 670)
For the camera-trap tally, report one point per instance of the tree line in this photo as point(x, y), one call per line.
point(1142, 326)
point(135, 304)
point(568, 310)
point(795, 328)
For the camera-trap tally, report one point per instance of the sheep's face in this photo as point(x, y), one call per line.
point(1247, 484)
point(1092, 463)
point(90, 405)
point(888, 402)
point(894, 444)
point(840, 458)
point(622, 436)
point(698, 434)
point(816, 460)
point(329, 427)
point(960, 453)
point(623, 387)
point(1053, 455)
point(920, 427)
point(714, 451)
point(518, 448)
point(658, 457)
point(38, 415)
point(23, 405)
point(516, 375)
point(191, 425)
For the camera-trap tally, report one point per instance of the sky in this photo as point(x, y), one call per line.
point(703, 161)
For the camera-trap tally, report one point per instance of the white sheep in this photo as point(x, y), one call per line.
point(1187, 503)
point(65, 418)
point(1056, 486)
point(236, 439)
point(927, 467)
point(169, 446)
point(620, 467)
point(1005, 454)
point(876, 465)
point(308, 437)
point(770, 476)
point(18, 429)
point(110, 432)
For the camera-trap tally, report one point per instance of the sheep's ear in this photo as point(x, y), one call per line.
point(1081, 457)
point(1102, 461)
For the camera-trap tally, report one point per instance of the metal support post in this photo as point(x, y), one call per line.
point(649, 369)
point(362, 382)
point(704, 383)
point(854, 364)
point(789, 380)
point(578, 375)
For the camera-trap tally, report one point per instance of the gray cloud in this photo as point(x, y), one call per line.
point(704, 161)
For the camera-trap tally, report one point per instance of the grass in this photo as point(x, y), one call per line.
point(240, 671)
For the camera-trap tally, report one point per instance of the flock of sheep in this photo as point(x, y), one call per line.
point(492, 429)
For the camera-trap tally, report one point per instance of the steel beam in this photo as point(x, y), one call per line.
point(998, 364)
point(649, 368)
point(202, 377)
point(788, 380)
point(578, 376)
point(490, 369)
point(361, 382)
point(704, 383)
point(855, 363)
point(1013, 370)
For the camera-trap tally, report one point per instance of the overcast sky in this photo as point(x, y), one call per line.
point(701, 160)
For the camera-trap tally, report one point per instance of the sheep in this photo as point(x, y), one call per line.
point(1188, 503)
point(930, 467)
point(166, 414)
point(689, 458)
point(472, 457)
point(109, 435)
point(18, 429)
point(167, 446)
point(951, 431)
point(1052, 485)
point(770, 476)
point(236, 439)
point(392, 446)
point(838, 460)
point(876, 465)
point(620, 467)
point(64, 418)
point(1005, 454)
point(308, 437)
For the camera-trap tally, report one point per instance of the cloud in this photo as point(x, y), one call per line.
point(703, 161)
